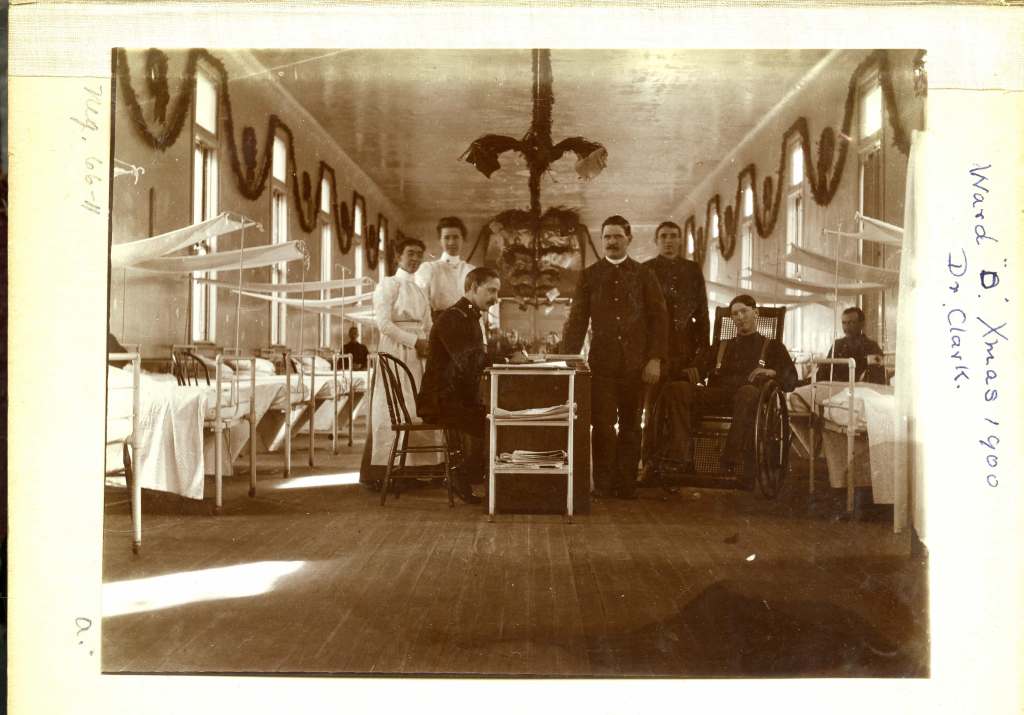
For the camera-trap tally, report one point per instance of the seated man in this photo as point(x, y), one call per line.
point(856, 345)
point(450, 393)
point(736, 368)
point(356, 349)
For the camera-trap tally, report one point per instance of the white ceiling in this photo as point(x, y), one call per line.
point(667, 117)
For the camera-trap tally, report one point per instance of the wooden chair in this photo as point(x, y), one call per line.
point(394, 375)
point(124, 430)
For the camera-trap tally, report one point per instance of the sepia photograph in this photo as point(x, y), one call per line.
point(531, 362)
point(618, 357)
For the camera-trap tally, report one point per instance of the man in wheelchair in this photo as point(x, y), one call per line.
point(736, 370)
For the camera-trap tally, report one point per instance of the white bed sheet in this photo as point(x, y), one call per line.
point(874, 456)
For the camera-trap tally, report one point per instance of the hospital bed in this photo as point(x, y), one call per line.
point(232, 402)
point(123, 410)
point(335, 380)
point(860, 416)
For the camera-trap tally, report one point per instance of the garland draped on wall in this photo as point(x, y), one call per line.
point(251, 178)
point(823, 176)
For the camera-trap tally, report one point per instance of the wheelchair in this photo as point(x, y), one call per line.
point(766, 459)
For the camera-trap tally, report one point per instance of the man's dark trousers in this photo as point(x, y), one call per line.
point(616, 459)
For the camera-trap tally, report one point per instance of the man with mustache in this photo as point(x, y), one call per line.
point(619, 299)
point(450, 393)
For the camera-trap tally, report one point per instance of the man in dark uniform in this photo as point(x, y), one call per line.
point(736, 368)
point(356, 349)
point(450, 393)
point(621, 301)
point(686, 298)
point(856, 345)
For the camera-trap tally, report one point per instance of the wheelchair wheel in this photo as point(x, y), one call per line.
point(771, 439)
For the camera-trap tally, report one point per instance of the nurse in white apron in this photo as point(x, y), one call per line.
point(402, 314)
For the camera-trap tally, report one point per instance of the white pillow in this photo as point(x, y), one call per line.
point(263, 366)
point(323, 366)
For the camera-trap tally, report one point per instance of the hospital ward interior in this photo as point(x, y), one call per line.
point(534, 363)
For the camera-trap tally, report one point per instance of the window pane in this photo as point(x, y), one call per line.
point(748, 201)
point(326, 258)
point(747, 260)
point(796, 165)
point(325, 196)
point(714, 225)
point(871, 111)
point(357, 223)
point(280, 160)
point(212, 185)
point(197, 185)
point(689, 243)
point(206, 103)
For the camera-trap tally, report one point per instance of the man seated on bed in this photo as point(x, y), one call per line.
point(736, 369)
point(856, 345)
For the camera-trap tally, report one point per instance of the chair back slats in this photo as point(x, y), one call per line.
point(770, 322)
point(186, 366)
point(393, 373)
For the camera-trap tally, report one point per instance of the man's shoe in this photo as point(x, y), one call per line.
point(466, 495)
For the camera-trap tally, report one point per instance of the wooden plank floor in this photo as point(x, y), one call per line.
point(700, 583)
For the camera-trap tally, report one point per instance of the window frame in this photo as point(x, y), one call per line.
point(326, 274)
point(796, 218)
point(279, 218)
point(358, 237)
point(382, 246)
point(204, 204)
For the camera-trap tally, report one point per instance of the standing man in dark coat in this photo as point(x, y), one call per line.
point(450, 393)
point(621, 302)
point(686, 298)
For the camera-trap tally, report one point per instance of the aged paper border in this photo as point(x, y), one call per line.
point(58, 310)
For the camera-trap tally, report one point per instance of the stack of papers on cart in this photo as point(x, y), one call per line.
point(555, 412)
point(534, 459)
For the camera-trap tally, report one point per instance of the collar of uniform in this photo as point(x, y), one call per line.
point(454, 261)
point(618, 262)
point(466, 307)
point(402, 275)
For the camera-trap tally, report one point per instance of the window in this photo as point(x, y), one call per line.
point(689, 243)
point(796, 165)
point(358, 229)
point(279, 234)
point(278, 271)
point(747, 239)
point(382, 246)
point(326, 258)
point(872, 189)
point(205, 200)
point(871, 110)
point(793, 331)
point(713, 249)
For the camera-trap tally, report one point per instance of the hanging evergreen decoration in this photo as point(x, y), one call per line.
point(538, 256)
point(823, 175)
point(251, 171)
